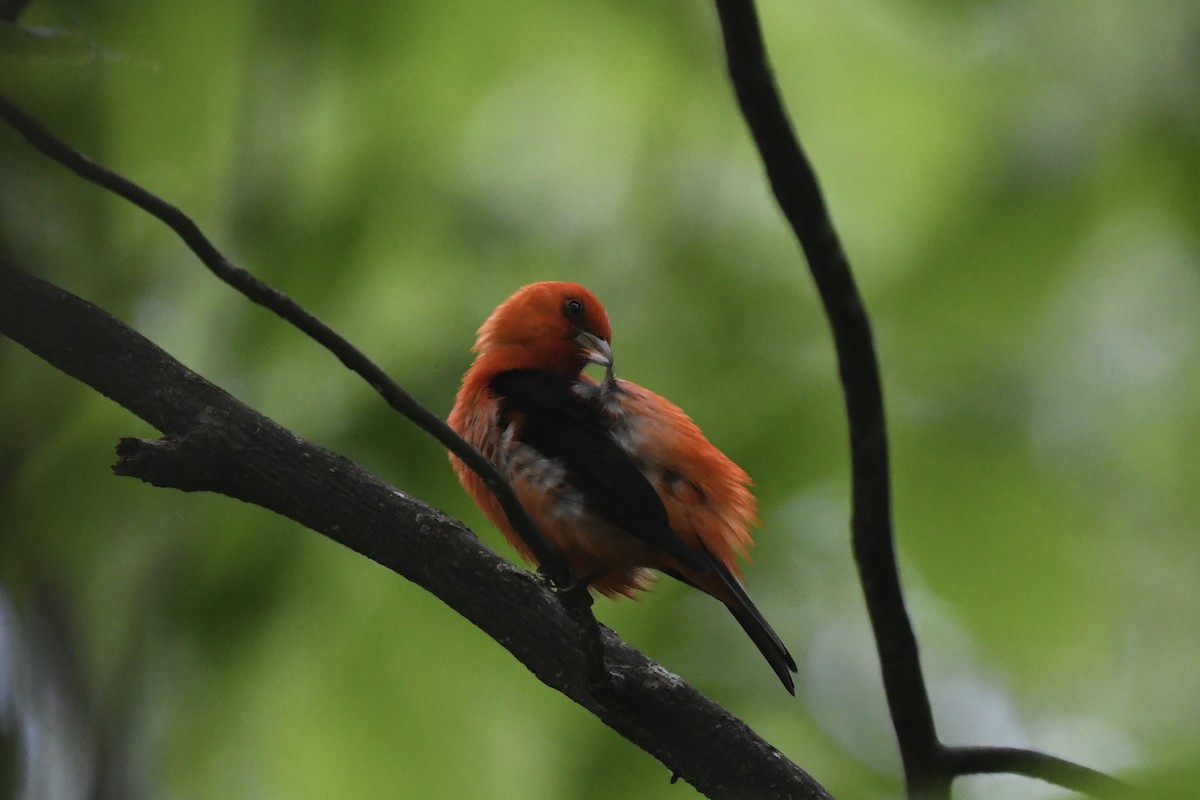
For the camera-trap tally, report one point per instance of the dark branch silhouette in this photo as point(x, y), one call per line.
point(929, 766)
point(799, 196)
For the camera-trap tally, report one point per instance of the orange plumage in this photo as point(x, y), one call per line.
point(618, 478)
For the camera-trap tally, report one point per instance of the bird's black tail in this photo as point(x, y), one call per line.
point(753, 623)
point(757, 628)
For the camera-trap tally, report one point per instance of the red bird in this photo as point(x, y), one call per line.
point(619, 479)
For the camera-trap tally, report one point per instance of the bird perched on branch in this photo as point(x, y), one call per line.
point(617, 478)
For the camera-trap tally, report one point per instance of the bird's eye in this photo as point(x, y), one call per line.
point(573, 307)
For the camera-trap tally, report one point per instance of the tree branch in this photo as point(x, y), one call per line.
point(927, 772)
point(214, 443)
point(799, 196)
point(1032, 764)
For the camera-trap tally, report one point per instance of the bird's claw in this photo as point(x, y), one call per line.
point(574, 590)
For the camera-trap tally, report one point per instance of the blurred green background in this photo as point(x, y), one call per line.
point(1017, 185)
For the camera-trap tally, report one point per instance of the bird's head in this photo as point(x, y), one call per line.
point(551, 325)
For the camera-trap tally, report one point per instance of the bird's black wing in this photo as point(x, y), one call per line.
point(560, 424)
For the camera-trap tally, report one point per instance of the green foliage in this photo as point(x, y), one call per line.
point(1016, 186)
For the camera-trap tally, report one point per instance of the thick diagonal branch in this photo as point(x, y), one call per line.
point(214, 443)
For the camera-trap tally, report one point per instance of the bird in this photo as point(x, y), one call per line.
point(619, 480)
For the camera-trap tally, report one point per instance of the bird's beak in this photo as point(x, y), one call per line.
point(596, 351)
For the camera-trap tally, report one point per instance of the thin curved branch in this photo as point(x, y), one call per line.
point(928, 773)
point(212, 442)
point(276, 301)
point(799, 196)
